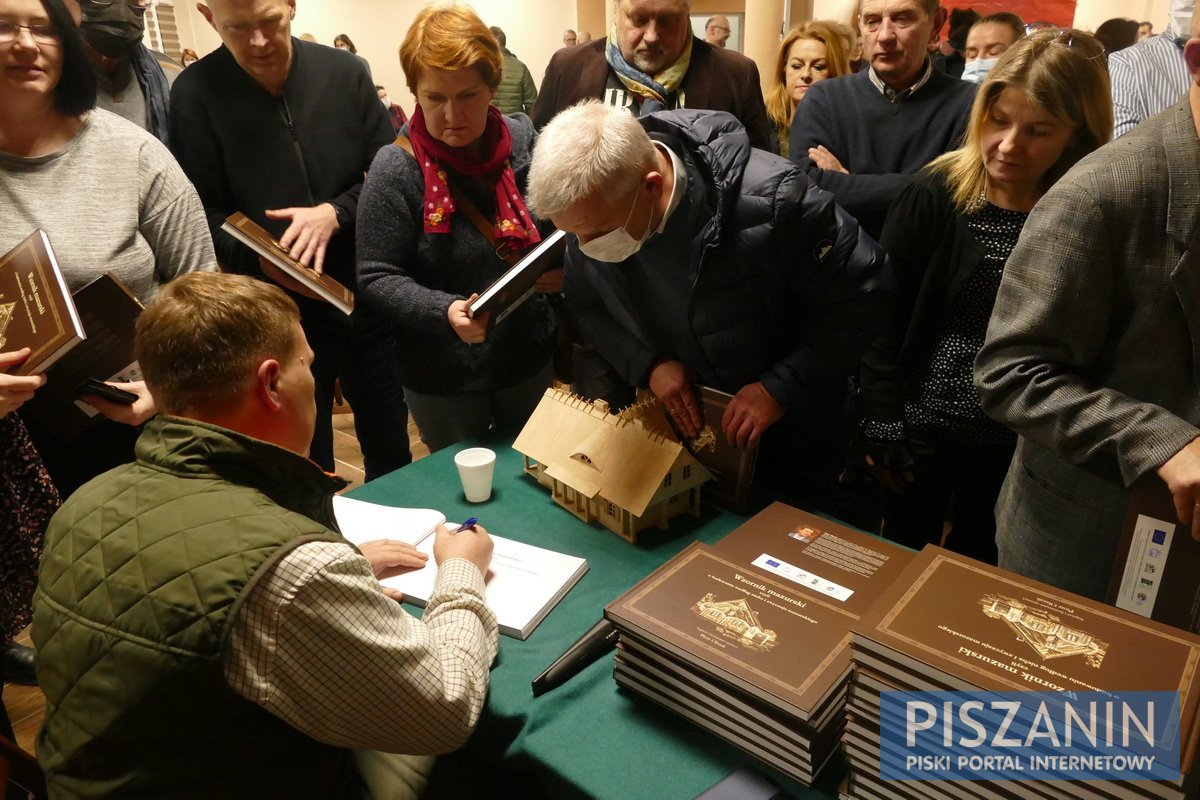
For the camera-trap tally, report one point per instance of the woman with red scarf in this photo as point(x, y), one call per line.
point(421, 258)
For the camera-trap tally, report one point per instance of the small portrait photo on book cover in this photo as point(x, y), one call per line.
point(805, 533)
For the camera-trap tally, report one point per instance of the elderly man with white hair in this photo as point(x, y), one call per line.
point(698, 260)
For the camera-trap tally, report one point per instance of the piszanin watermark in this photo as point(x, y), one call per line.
point(1025, 735)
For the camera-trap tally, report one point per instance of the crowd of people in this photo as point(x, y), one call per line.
point(948, 306)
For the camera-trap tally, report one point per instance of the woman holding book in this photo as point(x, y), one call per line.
point(109, 196)
point(435, 210)
point(1045, 105)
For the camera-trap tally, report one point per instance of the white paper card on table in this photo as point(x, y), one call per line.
point(522, 585)
point(361, 521)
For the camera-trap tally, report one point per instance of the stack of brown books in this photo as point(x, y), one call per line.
point(750, 639)
point(950, 624)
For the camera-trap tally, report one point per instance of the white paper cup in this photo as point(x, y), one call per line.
point(475, 467)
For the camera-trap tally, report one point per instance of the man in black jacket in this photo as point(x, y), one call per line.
point(283, 131)
point(699, 260)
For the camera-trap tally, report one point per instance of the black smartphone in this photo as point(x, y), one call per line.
point(102, 389)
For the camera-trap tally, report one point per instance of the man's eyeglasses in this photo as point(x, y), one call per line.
point(41, 34)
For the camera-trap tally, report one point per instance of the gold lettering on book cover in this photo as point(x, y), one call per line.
point(1044, 631)
point(736, 620)
point(706, 441)
point(6, 315)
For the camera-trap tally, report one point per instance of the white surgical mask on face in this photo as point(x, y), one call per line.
point(975, 71)
point(616, 246)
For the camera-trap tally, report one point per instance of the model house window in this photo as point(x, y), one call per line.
point(611, 509)
point(667, 480)
point(687, 471)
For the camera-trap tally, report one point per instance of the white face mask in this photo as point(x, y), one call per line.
point(975, 71)
point(616, 246)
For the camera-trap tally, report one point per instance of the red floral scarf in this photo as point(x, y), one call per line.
point(513, 223)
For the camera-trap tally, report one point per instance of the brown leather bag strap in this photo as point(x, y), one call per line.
point(502, 250)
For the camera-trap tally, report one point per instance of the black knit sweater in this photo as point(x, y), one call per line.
point(413, 277)
point(883, 144)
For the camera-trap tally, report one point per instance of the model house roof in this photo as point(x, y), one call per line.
point(623, 457)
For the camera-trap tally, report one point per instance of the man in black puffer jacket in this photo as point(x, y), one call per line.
point(699, 260)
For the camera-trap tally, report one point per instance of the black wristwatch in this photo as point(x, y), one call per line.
point(344, 217)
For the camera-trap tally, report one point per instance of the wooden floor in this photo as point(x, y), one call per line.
point(25, 703)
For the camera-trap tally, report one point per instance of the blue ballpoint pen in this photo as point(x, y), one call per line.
point(469, 525)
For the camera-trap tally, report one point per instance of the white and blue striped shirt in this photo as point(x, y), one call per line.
point(1147, 78)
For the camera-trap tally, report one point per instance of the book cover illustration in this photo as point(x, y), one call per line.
point(976, 624)
point(761, 634)
point(1044, 630)
point(736, 620)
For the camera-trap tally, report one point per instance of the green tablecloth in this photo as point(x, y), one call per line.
point(586, 738)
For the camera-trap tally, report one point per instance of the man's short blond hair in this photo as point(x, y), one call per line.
point(201, 341)
point(588, 148)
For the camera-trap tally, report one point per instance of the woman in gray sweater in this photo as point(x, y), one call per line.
point(421, 260)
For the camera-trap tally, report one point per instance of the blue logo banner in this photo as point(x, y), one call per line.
point(1125, 736)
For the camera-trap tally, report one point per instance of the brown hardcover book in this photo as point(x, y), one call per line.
point(109, 312)
point(516, 285)
point(36, 310)
point(251, 234)
point(1154, 573)
point(732, 468)
point(723, 697)
point(785, 647)
point(971, 625)
point(821, 557)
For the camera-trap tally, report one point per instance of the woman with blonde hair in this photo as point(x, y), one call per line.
point(808, 54)
point(436, 212)
point(1044, 106)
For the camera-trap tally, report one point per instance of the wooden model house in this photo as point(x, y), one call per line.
point(627, 471)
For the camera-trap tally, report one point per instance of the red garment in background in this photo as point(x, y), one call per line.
point(1058, 12)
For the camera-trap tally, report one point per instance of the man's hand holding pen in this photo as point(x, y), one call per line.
point(476, 548)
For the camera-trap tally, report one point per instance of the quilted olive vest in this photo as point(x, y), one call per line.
point(143, 570)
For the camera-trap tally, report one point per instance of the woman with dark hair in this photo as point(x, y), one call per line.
point(109, 195)
point(1043, 106)
point(422, 258)
point(343, 42)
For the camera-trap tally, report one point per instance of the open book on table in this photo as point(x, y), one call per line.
point(523, 583)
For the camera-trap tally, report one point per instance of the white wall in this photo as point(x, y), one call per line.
point(533, 27)
point(1090, 13)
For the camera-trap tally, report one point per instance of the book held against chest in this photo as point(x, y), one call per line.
point(109, 313)
point(36, 309)
point(251, 234)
